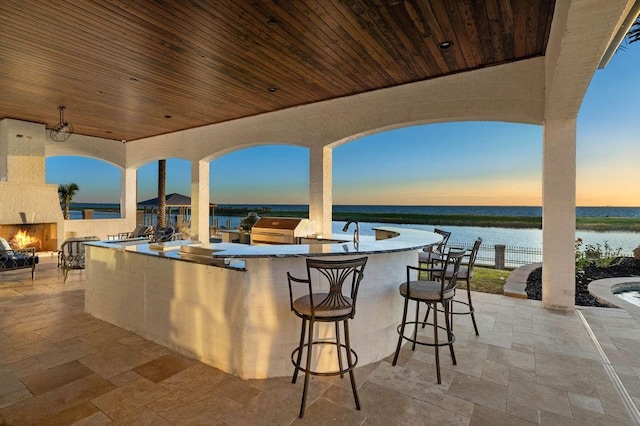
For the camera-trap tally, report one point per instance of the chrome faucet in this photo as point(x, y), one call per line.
point(356, 233)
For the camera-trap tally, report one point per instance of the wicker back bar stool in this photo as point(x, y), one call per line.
point(331, 291)
point(432, 288)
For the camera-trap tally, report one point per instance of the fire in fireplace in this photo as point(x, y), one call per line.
point(22, 240)
point(41, 236)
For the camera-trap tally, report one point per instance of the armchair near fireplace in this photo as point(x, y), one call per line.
point(71, 255)
point(11, 259)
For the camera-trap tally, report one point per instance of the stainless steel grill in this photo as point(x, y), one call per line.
point(280, 230)
point(245, 227)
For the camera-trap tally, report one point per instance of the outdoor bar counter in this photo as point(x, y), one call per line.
point(227, 304)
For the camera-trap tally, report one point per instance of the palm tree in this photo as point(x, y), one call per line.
point(66, 194)
point(162, 189)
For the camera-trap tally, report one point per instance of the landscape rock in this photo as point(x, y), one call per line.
point(628, 267)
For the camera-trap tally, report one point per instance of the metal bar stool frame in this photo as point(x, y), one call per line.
point(435, 252)
point(331, 306)
point(465, 273)
point(436, 289)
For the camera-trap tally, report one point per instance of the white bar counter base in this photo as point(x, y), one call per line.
point(235, 314)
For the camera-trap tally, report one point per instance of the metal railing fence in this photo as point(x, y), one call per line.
point(503, 257)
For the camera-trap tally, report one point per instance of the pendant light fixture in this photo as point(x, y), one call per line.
point(63, 130)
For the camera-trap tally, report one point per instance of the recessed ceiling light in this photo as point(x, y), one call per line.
point(272, 23)
point(445, 45)
point(272, 89)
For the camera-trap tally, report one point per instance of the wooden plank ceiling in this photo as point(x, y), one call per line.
point(129, 69)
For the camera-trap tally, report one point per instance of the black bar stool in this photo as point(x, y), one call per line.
point(436, 288)
point(436, 252)
point(465, 273)
point(324, 301)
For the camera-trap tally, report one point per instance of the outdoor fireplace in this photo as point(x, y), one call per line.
point(29, 205)
point(41, 236)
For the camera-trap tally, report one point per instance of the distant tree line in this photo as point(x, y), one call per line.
point(237, 211)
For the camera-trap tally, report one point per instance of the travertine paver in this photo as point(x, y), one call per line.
point(528, 366)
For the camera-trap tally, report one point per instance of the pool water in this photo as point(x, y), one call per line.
point(630, 295)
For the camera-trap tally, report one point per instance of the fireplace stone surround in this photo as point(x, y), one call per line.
point(44, 233)
point(27, 202)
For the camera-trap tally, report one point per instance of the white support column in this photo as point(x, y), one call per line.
point(320, 188)
point(559, 214)
point(200, 201)
point(129, 195)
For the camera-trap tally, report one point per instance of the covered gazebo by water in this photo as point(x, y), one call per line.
point(177, 210)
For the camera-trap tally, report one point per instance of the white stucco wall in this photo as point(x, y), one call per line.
point(237, 321)
point(37, 203)
point(23, 144)
point(108, 150)
point(580, 33)
point(101, 228)
point(559, 214)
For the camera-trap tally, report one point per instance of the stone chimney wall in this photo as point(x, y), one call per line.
point(25, 198)
point(22, 152)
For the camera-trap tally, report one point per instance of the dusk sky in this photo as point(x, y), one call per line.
point(464, 163)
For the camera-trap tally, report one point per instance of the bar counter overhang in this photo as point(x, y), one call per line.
point(235, 315)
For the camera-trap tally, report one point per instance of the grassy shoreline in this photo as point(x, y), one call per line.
point(584, 223)
point(627, 224)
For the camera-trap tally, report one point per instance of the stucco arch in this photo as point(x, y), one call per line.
point(108, 150)
point(511, 92)
point(508, 93)
point(111, 163)
point(239, 147)
point(151, 159)
point(399, 126)
point(210, 142)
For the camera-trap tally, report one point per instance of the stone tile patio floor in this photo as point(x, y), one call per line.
point(59, 365)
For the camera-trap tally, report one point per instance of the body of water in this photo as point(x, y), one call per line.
point(474, 210)
point(513, 237)
point(466, 234)
point(460, 234)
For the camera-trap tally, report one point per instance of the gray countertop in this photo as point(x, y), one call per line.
point(407, 239)
point(231, 254)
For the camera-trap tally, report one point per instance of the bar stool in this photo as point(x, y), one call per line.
point(436, 252)
point(324, 301)
point(465, 273)
point(435, 289)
